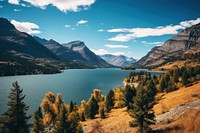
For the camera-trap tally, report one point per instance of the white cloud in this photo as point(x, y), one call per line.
point(73, 28)
point(101, 30)
point(67, 26)
point(190, 22)
point(24, 5)
point(116, 46)
point(133, 33)
point(154, 43)
point(27, 27)
point(1, 6)
point(16, 2)
point(62, 5)
point(17, 10)
point(81, 22)
point(103, 52)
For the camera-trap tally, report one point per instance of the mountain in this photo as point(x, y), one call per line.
point(16, 42)
point(87, 56)
point(61, 51)
point(176, 48)
point(20, 53)
point(75, 51)
point(119, 60)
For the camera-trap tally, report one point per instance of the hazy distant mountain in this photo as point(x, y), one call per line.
point(75, 51)
point(120, 60)
point(173, 49)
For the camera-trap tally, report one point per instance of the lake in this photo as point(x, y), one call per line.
point(74, 84)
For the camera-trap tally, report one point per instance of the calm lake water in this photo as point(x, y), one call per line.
point(74, 84)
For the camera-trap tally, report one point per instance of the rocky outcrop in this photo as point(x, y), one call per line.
point(187, 40)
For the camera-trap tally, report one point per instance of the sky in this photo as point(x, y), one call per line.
point(127, 27)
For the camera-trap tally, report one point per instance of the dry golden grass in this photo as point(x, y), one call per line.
point(170, 65)
point(176, 98)
point(116, 122)
point(189, 122)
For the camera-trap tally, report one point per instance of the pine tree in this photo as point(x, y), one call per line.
point(162, 84)
point(38, 125)
point(171, 86)
point(142, 111)
point(61, 124)
point(109, 101)
point(151, 90)
point(73, 123)
point(184, 78)
point(102, 113)
point(129, 93)
point(166, 79)
point(92, 108)
point(175, 75)
point(82, 116)
point(15, 119)
point(71, 106)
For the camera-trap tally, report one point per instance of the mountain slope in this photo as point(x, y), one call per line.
point(88, 56)
point(14, 41)
point(173, 49)
point(62, 52)
point(20, 53)
point(120, 60)
point(75, 51)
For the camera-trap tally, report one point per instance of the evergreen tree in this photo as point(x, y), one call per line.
point(73, 122)
point(60, 125)
point(71, 107)
point(166, 79)
point(82, 116)
point(184, 78)
point(142, 111)
point(92, 108)
point(102, 113)
point(171, 86)
point(175, 75)
point(162, 84)
point(151, 90)
point(38, 125)
point(129, 93)
point(109, 101)
point(15, 119)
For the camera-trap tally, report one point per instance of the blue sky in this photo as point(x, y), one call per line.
point(130, 27)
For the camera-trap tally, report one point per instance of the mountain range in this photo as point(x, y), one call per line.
point(20, 53)
point(118, 60)
point(185, 43)
point(75, 51)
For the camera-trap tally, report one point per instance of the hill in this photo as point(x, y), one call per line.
point(187, 99)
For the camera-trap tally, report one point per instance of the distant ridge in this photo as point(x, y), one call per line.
point(118, 60)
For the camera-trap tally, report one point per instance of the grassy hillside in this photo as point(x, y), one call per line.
point(118, 119)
